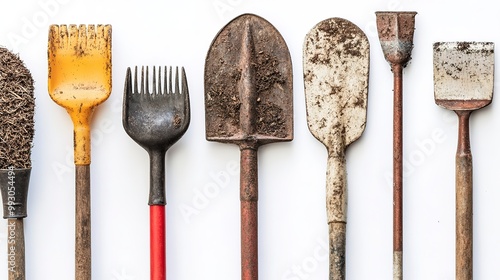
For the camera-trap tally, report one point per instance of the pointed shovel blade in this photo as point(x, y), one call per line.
point(248, 84)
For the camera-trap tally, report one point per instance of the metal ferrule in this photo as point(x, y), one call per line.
point(14, 188)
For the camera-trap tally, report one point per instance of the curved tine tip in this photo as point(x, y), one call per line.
point(185, 89)
point(128, 83)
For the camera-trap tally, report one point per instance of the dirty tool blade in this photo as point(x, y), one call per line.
point(248, 84)
point(336, 71)
point(463, 74)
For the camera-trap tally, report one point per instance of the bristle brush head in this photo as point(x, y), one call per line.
point(17, 106)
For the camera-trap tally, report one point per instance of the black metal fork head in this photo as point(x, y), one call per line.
point(158, 118)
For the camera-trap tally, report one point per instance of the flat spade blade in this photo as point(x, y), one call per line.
point(336, 70)
point(248, 84)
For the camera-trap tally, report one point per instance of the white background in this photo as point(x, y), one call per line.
point(292, 218)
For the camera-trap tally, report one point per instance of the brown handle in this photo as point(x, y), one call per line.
point(249, 217)
point(15, 249)
point(82, 223)
point(397, 69)
point(463, 200)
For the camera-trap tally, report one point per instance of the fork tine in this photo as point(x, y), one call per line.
point(142, 80)
point(185, 93)
point(159, 80)
point(63, 36)
point(73, 37)
point(128, 84)
point(91, 36)
point(177, 90)
point(82, 37)
point(165, 84)
point(135, 81)
point(170, 81)
point(154, 79)
point(185, 90)
point(54, 38)
point(147, 80)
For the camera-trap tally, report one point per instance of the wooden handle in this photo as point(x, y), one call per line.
point(249, 216)
point(15, 250)
point(82, 223)
point(336, 204)
point(463, 200)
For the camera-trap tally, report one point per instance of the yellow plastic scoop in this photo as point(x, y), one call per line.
point(79, 80)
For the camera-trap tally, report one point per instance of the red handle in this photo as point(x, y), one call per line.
point(157, 242)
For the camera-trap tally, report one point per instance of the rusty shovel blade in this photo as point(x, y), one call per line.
point(248, 102)
point(336, 68)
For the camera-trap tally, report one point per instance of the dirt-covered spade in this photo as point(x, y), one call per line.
point(248, 102)
point(336, 69)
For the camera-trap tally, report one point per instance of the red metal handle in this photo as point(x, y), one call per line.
point(249, 216)
point(157, 242)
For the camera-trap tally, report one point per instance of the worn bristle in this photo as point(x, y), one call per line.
point(17, 106)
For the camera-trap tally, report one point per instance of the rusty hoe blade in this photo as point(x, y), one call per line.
point(336, 70)
point(248, 102)
point(395, 31)
point(463, 82)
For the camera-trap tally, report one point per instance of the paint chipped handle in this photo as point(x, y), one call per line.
point(463, 200)
point(336, 195)
point(81, 136)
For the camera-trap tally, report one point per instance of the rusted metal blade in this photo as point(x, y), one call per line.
point(248, 84)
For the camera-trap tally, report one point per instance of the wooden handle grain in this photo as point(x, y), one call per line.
point(15, 250)
point(463, 200)
point(82, 223)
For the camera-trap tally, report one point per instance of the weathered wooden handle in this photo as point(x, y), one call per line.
point(15, 249)
point(463, 200)
point(82, 223)
point(249, 217)
point(336, 205)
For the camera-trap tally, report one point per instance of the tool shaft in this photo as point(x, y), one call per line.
point(397, 70)
point(15, 249)
point(463, 179)
point(157, 242)
point(82, 223)
point(249, 214)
